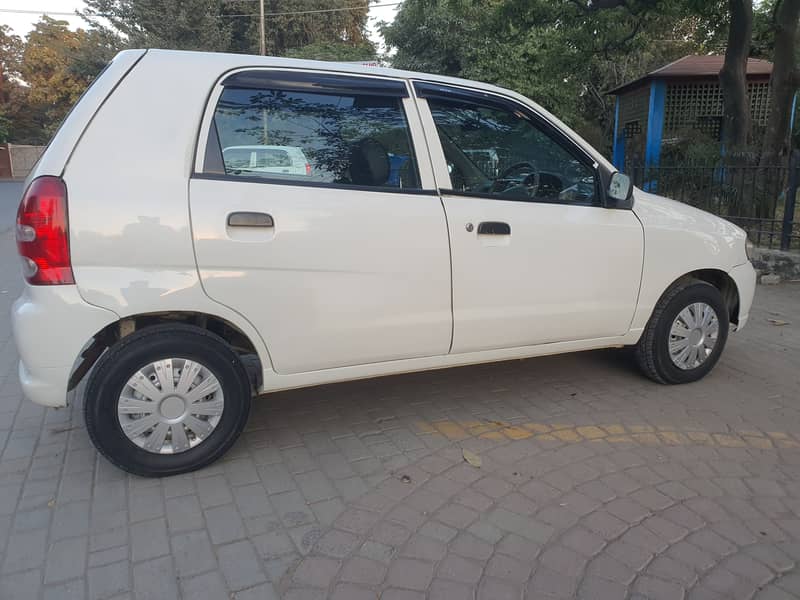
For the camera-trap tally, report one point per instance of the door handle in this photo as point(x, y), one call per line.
point(494, 228)
point(250, 219)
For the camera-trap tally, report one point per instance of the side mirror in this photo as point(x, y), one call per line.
point(620, 191)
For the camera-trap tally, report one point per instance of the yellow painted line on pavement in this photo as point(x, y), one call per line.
point(613, 433)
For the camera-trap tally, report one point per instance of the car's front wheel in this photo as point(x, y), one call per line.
point(685, 335)
point(166, 400)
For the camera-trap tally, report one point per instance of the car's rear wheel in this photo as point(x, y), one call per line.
point(166, 400)
point(685, 335)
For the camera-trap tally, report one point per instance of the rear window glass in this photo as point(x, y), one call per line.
point(333, 138)
point(244, 157)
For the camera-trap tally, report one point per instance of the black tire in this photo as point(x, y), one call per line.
point(652, 351)
point(133, 352)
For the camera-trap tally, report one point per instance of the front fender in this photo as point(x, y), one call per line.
point(680, 239)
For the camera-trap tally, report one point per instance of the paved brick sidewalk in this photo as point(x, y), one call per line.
point(595, 483)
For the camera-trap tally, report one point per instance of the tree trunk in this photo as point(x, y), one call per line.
point(733, 80)
point(784, 83)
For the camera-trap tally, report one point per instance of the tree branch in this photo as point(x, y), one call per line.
point(580, 5)
point(607, 47)
point(634, 8)
point(595, 5)
point(603, 4)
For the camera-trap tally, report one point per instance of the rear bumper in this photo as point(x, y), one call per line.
point(45, 386)
point(51, 325)
point(745, 278)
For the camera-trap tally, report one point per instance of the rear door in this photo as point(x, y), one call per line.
point(344, 263)
point(536, 259)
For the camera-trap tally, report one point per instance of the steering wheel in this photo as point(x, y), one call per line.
point(531, 181)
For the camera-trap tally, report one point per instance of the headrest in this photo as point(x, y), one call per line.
point(369, 163)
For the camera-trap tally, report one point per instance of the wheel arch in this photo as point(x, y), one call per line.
point(720, 280)
point(232, 334)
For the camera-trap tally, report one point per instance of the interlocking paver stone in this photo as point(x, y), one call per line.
point(410, 573)
point(596, 588)
point(192, 553)
point(21, 586)
point(66, 559)
point(337, 543)
point(461, 569)
point(184, 513)
point(658, 589)
point(69, 590)
point(495, 589)
point(670, 569)
point(155, 579)
point(444, 589)
point(363, 571)
point(514, 523)
point(317, 571)
point(213, 491)
point(208, 586)
point(240, 565)
point(109, 580)
point(25, 551)
point(70, 520)
point(595, 484)
point(224, 524)
point(546, 582)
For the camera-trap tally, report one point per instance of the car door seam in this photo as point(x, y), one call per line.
point(421, 122)
point(641, 271)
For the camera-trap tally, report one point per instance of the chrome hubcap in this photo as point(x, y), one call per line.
point(170, 405)
point(693, 336)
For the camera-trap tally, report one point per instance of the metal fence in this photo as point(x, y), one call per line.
point(761, 200)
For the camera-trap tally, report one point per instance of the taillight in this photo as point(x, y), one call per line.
point(42, 233)
point(308, 169)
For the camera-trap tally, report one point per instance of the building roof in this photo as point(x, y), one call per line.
point(693, 66)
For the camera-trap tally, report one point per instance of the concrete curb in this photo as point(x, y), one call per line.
point(774, 266)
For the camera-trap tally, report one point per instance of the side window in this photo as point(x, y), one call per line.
point(492, 150)
point(334, 138)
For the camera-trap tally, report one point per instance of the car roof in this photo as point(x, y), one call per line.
point(222, 63)
point(249, 60)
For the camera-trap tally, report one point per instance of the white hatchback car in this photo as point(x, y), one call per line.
point(184, 285)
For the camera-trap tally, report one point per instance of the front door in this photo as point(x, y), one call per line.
point(312, 219)
point(535, 257)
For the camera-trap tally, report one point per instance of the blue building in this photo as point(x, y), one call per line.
point(685, 95)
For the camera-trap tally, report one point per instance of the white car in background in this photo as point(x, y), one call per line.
point(283, 160)
point(182, 283)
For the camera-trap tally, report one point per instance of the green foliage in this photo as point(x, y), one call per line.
point(179, 24)
point(47, 64)
point(557, 52)
point(97, 49)
point(11, 48)
point(763, 45)
point(5, 129)
point(335, 51)
point(285, 32)
point(44, 76)
point(440, 36)
point(227, 26)
point(565, 54)
point(690, 147)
